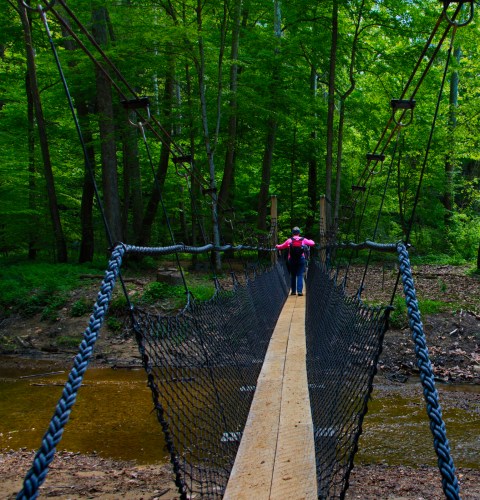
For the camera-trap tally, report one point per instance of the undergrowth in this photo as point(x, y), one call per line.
point(32, 288)
point(399, 317)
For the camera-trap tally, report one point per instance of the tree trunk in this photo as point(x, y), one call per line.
point(111, 200)
point(293, 164)
point(226, 195)
point(338, 176)
point(272, 125)
point(87, 246)
point(161, 172)
point(132, 183)
point(263, 196)
point(449, 194)
point(200, 65)
point(341, 120)
point(330, 115)
point(84, 110)
point(32, 172)
point(312, 165)
point(60, 243)
point(197, 223)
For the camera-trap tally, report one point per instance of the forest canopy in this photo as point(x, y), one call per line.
point(249, 99)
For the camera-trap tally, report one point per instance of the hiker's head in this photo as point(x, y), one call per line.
point(296, 230)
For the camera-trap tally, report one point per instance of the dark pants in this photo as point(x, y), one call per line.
point(296, 275)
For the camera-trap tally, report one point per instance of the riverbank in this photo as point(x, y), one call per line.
point(75, 476)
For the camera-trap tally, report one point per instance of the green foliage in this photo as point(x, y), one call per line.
point(399, 316)
point(68, 341)
point(80, 307)
point(30, 288)
point(463, 236)
point(439, 259)
point(275, 81)
point(114, 324)
point(52, 306)
point(174, 295)
point(429, 306)
point(118, 304)
point(157, 291)
point(202, 292)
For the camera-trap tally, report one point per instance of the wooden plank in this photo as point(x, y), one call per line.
point(294, 474)
point(276, 457)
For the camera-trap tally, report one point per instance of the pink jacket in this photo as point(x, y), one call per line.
point(286, 243)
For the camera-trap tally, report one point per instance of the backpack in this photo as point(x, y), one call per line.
point(296, 250)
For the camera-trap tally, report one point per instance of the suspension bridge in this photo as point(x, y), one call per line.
point(262, 395)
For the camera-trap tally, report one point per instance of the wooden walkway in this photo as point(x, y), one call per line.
point(276, 457)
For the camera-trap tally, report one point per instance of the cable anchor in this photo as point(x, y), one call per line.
point(403, 104)
point(136, 104)
point(458, 24)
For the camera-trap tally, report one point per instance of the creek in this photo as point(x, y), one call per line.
point(113, 418)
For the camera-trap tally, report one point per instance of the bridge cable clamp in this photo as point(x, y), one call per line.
point(136, 104)
point(405, 105)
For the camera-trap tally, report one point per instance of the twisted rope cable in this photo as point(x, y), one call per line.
point(181, 248)
point(44, 456)
point(434, 411)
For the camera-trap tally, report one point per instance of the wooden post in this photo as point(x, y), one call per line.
point(323, 227)
point(274, 224)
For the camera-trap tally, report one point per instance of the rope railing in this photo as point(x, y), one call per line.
point(437, 426)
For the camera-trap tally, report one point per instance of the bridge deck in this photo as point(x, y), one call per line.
point(276, 457)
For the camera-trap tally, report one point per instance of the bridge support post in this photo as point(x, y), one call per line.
point(323, 228)
point(274, 224)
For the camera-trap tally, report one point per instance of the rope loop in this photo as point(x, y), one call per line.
point(40, 8)
point(452, 22)
point(182, 161)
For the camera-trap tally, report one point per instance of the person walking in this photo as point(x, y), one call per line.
point(297, 246)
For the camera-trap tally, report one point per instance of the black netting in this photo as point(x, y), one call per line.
point(203, 365)
point(344, 339)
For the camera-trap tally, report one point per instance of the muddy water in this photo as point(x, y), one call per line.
point(396, 429)
point(113, 417)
